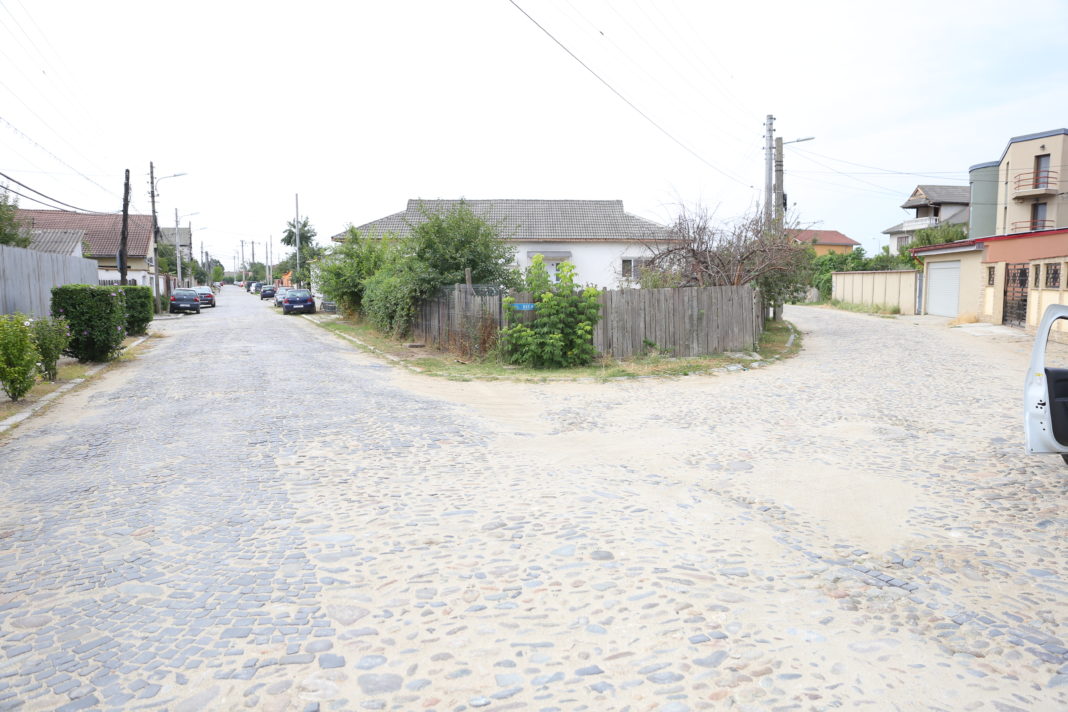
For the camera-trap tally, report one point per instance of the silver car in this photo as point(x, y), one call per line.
point(1046, 394)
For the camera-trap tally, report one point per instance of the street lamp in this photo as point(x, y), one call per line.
point(177, 242)
point(155, 233)
point(780, 196)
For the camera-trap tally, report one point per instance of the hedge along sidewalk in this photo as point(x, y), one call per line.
point(31, 408)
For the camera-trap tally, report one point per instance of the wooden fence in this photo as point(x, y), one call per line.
point(27, 278)
point(680, 322)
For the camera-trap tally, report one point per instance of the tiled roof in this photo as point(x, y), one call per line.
point(532, 220)
point(939, 194)
point(61, 242)
point(822, 237)
point(102, 231)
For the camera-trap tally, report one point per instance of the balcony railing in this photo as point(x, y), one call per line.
point(919, 223)
point(1032, 183)
point(1031, 225)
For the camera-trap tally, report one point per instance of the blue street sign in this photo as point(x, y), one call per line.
point(524, 306)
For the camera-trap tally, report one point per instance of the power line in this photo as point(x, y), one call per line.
point(628, 101)
point(54, 200)
point(23, 135)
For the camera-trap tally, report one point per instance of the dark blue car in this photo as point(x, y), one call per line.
point(298, 300)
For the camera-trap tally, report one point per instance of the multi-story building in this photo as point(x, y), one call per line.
point(1015, 260)
point(934, 205)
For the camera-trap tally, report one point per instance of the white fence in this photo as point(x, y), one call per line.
point(888, 289)
point(27, 278)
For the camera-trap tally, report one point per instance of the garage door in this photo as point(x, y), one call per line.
point(943, 288)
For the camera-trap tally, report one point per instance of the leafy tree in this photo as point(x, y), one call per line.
point(345, 271)
point(307, 235)
point(446, 244)
point(937, 235)
point(11, 230)
point(167, 263)
point(217, 272)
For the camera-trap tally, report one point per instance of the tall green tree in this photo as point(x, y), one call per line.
point(448, 243)
point(11, 230)
point(307, 235)
point(345, 270)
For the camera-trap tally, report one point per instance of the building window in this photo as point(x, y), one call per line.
point(1053, 275)
point(1036, 276)
point(632, 268)
point(990, 276)
point(1038, 216)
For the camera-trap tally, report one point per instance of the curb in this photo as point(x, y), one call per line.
point(368, 347)
point(17, 418)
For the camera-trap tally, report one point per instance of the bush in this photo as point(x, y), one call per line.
point(50, 336)
point(18, 356)
point(389, 300)
point(139, 308)
point(561, 334)
point(97, 317)
point(343, 275)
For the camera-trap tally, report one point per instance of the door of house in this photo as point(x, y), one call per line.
point(1015, 313)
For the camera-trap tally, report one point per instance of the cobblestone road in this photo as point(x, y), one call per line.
point(254, 515)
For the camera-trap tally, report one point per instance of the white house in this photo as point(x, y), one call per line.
point(605, 243)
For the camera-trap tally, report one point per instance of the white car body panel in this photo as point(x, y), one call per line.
point(1038, 426)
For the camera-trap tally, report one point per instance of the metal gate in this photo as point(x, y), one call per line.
point(1016, 277)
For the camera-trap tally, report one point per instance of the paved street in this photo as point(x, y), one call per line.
point(253, 514)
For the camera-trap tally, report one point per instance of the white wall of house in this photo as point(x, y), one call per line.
point(143, 277)
point(598, 263)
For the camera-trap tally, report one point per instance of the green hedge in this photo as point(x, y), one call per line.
point(139, 308)
point(97, 318)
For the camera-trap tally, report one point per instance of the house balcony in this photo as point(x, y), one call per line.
point(919, 224)
point(1031, 184)
point(1031, 225)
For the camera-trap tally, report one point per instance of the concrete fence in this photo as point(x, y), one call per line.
point(889, 289)
point(27, 278)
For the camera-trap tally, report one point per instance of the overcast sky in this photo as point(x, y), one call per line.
point(358, 106)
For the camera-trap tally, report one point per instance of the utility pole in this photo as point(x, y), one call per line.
point(177, 248)
point(253, 243)
point(270, 267)
point(297, 232)
point(244, 277)
point(125, 234)
point(769, 148)
point(155, 238)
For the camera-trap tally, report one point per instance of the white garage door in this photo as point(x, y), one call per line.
point(943, 288)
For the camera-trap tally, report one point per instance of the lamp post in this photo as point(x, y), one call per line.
point(779, 208)
point(177, 243)
point(155, 232)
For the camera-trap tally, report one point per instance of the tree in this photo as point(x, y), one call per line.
point(217, 272)
point(307, 235)
point(448, 243)
point(702, 254)
point(937, 235)
point(11, 230)
point(345, 271)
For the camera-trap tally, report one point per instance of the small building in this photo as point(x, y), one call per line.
point(825, 242)
point(101, 235)
point(70, 243)
point(606, 244)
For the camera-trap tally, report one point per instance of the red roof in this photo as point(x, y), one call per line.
point(103, 232)
point(822, 237)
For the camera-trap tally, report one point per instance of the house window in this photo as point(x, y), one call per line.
point(1053, 275)
point(1036, 274)
point(632, 268)
point(990, 276)
point(1041, 171)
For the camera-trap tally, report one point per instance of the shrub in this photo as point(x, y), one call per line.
point(139, 308)
point(561, 334)
point(97, 317)
point(50, 336)
point(18, 356)
point(345, 272)
point(389, 300)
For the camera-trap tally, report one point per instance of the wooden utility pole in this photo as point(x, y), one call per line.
point(124, 235)
point(779, 199)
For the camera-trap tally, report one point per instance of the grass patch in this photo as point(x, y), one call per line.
point(780, 340)
point(68, 370)
point(880, 309)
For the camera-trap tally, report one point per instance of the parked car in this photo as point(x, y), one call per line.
point(280, 294)
point(184, 299)
point(256, 287)
point(298, 300)
point(267, 292)
point(207, 296)
point(1046, 393)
